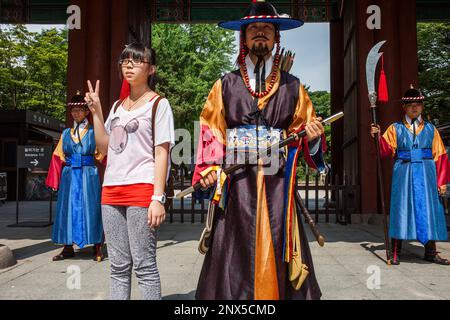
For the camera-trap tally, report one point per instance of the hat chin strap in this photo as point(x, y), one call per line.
point(260, 77)
point(76, 130)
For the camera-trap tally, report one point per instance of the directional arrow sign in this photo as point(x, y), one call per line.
point(34, 156)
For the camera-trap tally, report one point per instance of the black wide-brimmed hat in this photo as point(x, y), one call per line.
point(413, 95)
point(262, 11)
point(77, 101)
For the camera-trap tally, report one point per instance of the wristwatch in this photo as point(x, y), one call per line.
point(161, 198)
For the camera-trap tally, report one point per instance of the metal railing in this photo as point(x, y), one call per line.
point(327, 201)
point(186, 209)
point(336, 199)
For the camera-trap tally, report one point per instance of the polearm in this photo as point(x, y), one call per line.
point(371, 66)
point(254, 158)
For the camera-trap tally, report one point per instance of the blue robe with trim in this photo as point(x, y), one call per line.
point(417, 212)
point(78, 215)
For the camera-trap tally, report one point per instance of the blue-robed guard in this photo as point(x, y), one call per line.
point(419, 179)
point(74, 175)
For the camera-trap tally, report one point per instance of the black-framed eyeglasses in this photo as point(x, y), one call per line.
point(134, 62)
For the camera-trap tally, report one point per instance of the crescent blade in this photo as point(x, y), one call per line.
point(371, 65)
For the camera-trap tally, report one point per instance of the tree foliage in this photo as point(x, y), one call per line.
point(33, 70)
point(322, 104)
point(434, 68)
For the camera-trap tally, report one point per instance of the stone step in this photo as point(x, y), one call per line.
point(6, 257)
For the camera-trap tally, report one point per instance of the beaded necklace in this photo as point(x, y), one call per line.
point(244, 52)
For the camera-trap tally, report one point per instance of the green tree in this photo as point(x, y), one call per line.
point(14, 44)
point(190, 59)
point(46, 65)
point(33, 72)
point(434, 68)
point(322, 104)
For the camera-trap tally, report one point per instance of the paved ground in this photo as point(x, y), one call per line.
point(341, 266)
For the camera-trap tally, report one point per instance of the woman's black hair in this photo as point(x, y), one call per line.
point(138, 51)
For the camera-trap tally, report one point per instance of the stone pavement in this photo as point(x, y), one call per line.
point(341, 266)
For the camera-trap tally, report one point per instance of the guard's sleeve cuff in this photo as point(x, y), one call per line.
point(314, 154)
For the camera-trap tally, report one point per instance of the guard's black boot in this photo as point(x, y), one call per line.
point(431, 255)
point(396, 250)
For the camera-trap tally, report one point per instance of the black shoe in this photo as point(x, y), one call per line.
point(66, 253)
point(435, 258)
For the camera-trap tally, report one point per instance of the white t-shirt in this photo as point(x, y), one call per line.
point(130, 151)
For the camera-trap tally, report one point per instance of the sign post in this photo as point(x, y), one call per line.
point(32, 157)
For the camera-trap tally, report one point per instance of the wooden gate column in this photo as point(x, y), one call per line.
point(337, 96)
point(399, 28)
point(106, 27)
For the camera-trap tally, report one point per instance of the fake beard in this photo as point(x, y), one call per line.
point(260, 50)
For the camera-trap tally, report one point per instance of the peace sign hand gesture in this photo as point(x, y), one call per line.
point(93, 97)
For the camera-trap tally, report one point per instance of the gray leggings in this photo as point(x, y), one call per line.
point(131, 243)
